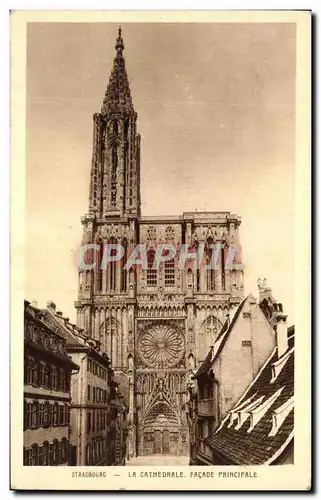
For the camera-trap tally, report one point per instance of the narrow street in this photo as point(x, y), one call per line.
point(158, 460)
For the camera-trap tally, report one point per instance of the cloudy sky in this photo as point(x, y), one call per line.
point(216, 112)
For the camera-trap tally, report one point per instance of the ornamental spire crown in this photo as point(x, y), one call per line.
point(117, 98)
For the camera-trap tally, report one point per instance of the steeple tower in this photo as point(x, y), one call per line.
point(115, 173)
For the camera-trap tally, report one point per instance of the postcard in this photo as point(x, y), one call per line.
point(160, 250)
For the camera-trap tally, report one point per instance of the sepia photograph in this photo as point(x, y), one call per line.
point(158, 316)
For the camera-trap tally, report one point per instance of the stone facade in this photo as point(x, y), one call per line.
point(98, 412)
point(155, 325)
point(47, 374)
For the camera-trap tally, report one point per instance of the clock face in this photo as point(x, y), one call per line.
point(161, 346)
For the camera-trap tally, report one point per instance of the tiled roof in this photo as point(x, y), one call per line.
point(242, 444)
point(58, 323)
point(222, 337)
point(206, 365)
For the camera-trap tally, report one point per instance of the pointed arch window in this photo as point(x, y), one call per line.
point(99, 269)
point(210, 276)
point(112, 268)
point(209, 332)
point(223, 254)
point(151, 273)
point(123, 270)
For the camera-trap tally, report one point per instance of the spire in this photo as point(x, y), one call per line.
point(118, 99)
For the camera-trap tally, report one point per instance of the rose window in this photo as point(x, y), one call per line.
point(161, 346)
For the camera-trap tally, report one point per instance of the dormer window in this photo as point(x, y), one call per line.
point(280, 414)
point(279, 364)
point(258, 413)
point(244, 413)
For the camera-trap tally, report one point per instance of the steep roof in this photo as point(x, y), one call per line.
point(260, 425)
point(74, 336)
point(206, 365)
point(222, 337)
point(118, 98)
point(37, 316)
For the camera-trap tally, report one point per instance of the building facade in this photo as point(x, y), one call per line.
point(241, 349)
point(156, 325)
point(259, 429)
point(47, 400)
point(98, 413)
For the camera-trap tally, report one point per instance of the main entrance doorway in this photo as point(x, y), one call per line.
point(161, 431)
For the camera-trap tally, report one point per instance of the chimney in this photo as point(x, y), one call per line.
point(51, 305)
point(282, 335)
point(34, 303)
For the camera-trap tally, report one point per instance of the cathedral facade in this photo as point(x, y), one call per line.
point(155, 324)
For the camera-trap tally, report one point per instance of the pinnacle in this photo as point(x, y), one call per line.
point(118, 99)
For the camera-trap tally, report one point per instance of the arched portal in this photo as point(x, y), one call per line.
point(161, 430)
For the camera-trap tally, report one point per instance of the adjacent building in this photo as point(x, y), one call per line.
point(259, 429)
point(47, 399)
point(98, 412)
point(241, 348)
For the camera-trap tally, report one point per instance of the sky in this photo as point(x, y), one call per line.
point(216, 113)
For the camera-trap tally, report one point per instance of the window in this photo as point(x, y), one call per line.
point(64, 450)
point(89, 421)
point(55, 415)
point(33, 415)
point(29, 371)
point(88, 392)
point(246, 343)
point(34, 375)
point(34, 454)
point(47, 376)
point(170, 273)
point(41, 414)
point(40, 455)
point(54, 377)
point(58, 452)
point(27, 458)
point(26, 407)
point(62, 380)
point(223, 267)
point(51, 454)
point(112, 268)
point(61, 415)
point(94, 394)
point(88, 454)
point(151, 273)
point(45, 451)
point(123, 283)
point(99, 269)
point(41, 377)
point(54, 452)
point(46, 414)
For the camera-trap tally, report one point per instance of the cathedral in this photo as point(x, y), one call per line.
point(156, 325)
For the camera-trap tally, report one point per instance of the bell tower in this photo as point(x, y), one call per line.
point(115, 170)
